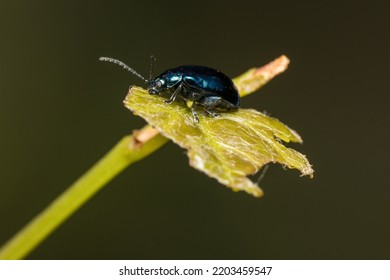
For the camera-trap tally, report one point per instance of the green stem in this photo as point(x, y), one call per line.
point(129, 150)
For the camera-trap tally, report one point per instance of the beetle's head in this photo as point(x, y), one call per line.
point(157, 86)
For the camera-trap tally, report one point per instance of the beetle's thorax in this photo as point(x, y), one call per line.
point(165, 82)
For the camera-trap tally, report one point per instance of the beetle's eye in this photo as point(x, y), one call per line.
point(160, 83)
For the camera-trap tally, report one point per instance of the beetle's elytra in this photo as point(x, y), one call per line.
point(195, 86)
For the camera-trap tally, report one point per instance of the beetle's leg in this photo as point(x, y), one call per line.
point(194, 114)
point(262, 174)
point(173, 96)
point(211, 112)
point(192, 105)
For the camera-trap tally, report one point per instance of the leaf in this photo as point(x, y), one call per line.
point(229, 147)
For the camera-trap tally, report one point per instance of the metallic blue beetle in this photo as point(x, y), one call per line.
point(196, 86)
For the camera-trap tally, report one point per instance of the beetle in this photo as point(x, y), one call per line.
point(195, 86)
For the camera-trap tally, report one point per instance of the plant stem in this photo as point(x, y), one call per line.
point(129, 150)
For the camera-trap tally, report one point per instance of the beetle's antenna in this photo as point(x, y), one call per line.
point(120, 63)
point(152, 62)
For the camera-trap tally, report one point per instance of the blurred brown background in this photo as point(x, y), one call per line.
point(61, 110)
